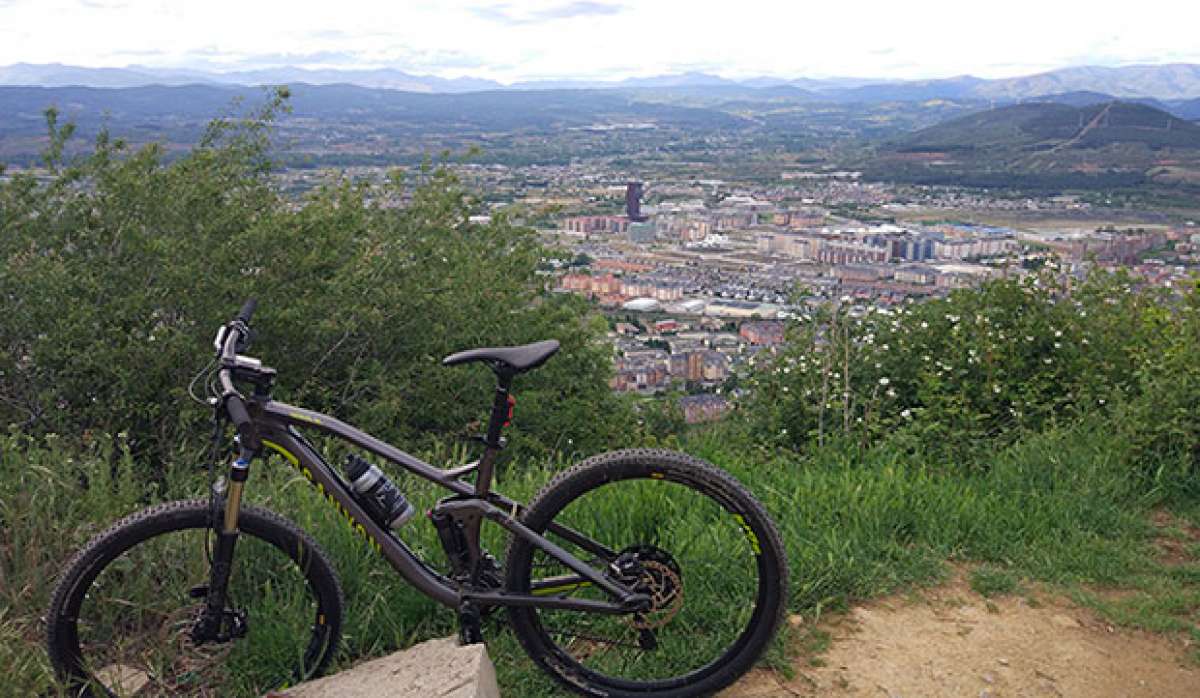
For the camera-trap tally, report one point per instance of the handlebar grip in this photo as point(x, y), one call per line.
point(247, 310)
point(236, 408)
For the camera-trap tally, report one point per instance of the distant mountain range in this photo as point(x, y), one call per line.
point(58, 75)
point(1173, 81)
point(938, 131)
point(1162, 82)
point(21, 108)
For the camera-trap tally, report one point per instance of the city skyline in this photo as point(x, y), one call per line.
point(592, 40)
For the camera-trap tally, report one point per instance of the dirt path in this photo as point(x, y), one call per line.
point(950, 641)
point(1096, 120)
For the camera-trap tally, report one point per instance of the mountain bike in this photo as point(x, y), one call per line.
point(634, 573)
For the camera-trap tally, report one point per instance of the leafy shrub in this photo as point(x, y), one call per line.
point(984, 366)
point(118, 269)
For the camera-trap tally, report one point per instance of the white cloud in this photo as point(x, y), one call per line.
point(589, 38)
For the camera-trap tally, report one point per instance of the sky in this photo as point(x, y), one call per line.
point(598, 39)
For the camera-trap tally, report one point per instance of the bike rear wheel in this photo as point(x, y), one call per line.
point(684, 532)
point(120, 618)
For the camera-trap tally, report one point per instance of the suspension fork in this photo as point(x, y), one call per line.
point(210, 624)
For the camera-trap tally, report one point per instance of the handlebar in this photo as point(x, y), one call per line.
point(235, 405)
point(247, 311)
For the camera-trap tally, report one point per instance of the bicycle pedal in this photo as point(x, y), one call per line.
point(469, 621)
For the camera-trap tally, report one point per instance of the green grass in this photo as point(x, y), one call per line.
point(989, 581)
point(1063, 509)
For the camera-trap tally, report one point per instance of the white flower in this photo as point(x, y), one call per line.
point(884, 381)
point(996, 388)
point(907, 414)
point(891, 392)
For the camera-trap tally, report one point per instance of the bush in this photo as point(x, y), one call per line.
point(120, 267)
point(985, 366)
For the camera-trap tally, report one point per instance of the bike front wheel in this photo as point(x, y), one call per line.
point(675, 528)
point(121, 617)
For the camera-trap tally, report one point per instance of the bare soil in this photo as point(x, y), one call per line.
point(950, 641)
point(1174, 549)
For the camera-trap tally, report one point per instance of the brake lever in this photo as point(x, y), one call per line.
point(219, 340)
point(244, 339)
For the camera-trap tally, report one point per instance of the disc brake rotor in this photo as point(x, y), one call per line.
point(666, 596)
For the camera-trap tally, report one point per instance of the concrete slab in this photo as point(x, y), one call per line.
point(433, 669)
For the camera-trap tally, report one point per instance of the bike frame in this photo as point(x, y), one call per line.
point(276, 425)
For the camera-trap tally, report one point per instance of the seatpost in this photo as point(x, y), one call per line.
point(492, 442)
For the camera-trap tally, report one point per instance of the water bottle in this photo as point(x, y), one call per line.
point(377, 494)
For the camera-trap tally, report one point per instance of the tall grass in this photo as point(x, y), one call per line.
point(1067, 506)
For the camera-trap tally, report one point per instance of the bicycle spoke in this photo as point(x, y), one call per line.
point(593, 638)
point(133, 627)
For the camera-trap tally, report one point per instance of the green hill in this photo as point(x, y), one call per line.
point(1022, 128)
point(1048, 146)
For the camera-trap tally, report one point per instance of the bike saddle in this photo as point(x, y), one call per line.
point(510, 360)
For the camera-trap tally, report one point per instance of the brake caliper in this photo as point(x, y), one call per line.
point(652, 571)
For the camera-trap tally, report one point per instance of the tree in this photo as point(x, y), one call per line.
point(118, 270)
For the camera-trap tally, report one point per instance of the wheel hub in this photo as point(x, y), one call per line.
point(652, 571)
